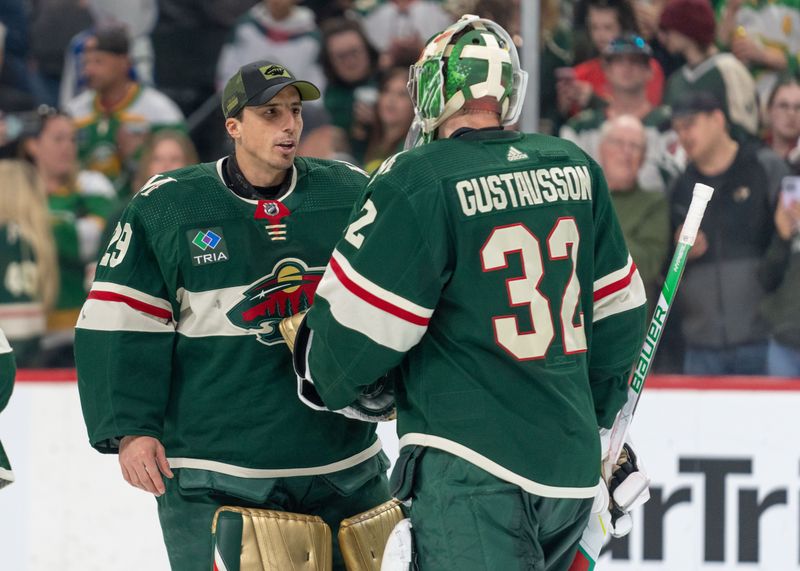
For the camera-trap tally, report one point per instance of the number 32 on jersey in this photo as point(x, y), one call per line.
point(524, 290)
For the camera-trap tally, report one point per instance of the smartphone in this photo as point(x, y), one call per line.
point(366, 94)
point(790, 190)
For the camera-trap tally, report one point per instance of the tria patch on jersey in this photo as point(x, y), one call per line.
point(273, 211)
point(207, 246)
point(515, 154)
point(287, 290)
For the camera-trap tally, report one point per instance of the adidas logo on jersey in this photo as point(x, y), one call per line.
point(515, 154)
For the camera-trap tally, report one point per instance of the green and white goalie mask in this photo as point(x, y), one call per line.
point(472, 59)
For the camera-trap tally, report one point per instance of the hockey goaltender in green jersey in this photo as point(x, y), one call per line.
point(487, 271)
point(518, 240)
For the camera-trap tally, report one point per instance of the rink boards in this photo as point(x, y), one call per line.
point(723, 455)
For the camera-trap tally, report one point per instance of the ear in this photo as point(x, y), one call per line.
point(233, 127)
point(30, 147)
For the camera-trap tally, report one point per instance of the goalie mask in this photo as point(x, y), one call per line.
point(472, 59)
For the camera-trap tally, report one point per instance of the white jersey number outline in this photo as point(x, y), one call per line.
point(524, 290)
point(352, 235)
point(120, 241)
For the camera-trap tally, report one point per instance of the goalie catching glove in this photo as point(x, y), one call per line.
point(374, 404)
point(628, 488)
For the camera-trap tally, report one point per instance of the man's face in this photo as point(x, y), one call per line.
point(628, 73)
point(104, 70)
point(621, 156)
point(268, 135)
point(784, 113)
point(699, 133)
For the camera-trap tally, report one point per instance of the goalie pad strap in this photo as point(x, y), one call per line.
point(251, 538)
point(362, 538)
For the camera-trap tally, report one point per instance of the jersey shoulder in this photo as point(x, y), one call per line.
point(329, 183)
point(162, 198)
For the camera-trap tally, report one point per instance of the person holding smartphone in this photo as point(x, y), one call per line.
point(780, 276)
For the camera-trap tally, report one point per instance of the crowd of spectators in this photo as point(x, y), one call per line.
point(98, 96)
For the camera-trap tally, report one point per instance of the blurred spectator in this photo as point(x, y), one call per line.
point(16, 46)
point(164, 151)
point(721, 292)
point(394, 113)
point(137, 18)
point(687, 27)
point(399, 29)
point(781, 277)
point(626, 65)
point(764, 35)
point(643, 216)
point(28, 266)
point(79, 203)
point(326, 142)
point(350, 64)
point(783, 117)
point(648, 14)
point(53, 25)
point(604, 20)
point(187, 76)
point(555, 50)
point(276, 30)
point(115, 116)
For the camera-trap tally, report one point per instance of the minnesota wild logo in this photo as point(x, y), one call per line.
point(287, 290)
point(271, 71)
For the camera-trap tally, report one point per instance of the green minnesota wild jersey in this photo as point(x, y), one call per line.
point(78, 215)
point(490, 269)
point(22, 313)
point(178, 338)
point(142, 110)
point(7, 371)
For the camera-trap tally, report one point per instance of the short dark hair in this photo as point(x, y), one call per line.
point(783, 81)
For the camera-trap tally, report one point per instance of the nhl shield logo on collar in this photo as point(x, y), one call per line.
point(273, 211)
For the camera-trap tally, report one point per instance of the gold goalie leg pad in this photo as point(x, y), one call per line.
point(362, 538)
point(250, 539)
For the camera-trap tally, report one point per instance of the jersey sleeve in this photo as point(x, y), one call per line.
point(619, 309)
point(376, 297)
point(7, 371)
point(124, 339)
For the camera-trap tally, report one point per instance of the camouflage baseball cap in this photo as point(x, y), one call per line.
point(258, 82)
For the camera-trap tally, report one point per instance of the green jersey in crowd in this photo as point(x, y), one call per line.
point(178, 338)
point(22, 313)
point(511, 306)
point(78, 216)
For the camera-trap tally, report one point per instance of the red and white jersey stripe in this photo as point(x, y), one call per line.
point(114, 307)
point(618, 291)
point(360, 304)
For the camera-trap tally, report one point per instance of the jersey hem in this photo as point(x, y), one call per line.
point(495, 469)
point(241, 472)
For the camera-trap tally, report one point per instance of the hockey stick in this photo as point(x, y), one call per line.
point(596, 530)
point(701, 194)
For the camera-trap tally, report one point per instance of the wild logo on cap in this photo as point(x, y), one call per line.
point(271, 71)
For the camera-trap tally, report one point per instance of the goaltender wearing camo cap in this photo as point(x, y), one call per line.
point(181, 368)
point(488, 268)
